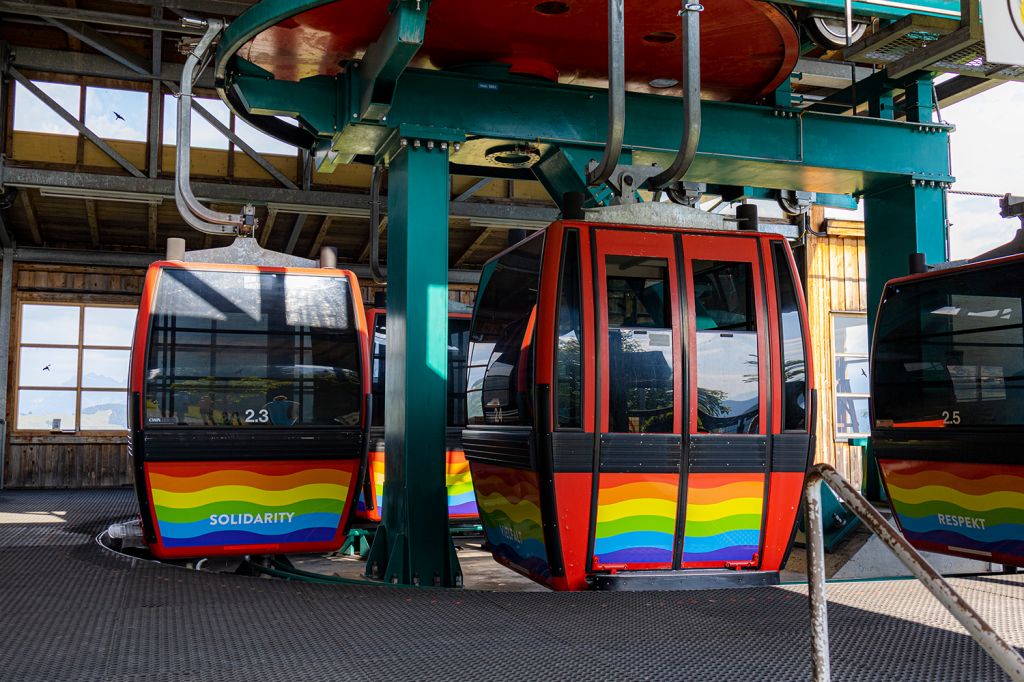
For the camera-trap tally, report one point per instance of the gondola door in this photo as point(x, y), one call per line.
point(729, 403)
point(638, 451)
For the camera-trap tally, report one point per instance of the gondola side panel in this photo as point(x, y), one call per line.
point(970, 510)
point(510, 511)
point(213, 508)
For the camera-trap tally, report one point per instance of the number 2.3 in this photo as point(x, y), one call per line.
point(254, 417)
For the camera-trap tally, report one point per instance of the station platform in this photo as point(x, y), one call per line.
point(72, 610)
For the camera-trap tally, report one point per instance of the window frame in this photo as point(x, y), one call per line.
point(80, 349)
point(563, 260)
point(836, 394)
point(781, 263)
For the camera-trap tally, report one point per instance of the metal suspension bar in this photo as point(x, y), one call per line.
point(1001, 652)
point(597, 173)
point(380, 275)
point(196, 214)
point(690, 38)
point(74, 122)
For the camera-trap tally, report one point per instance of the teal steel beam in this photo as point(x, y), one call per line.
point(413, 545)
point(563, 169)
point(904, 219)
point(740, 144)
point(884, 9)
point(386, 59)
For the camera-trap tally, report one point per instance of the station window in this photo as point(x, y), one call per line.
point(727, 360)
point(204, 135)
point(794, 363)
point(569, 374)
point(33, 116)
point(852, 381)
point(73, 367)
point(117, 114)
point(500, 370)
point(640, 352)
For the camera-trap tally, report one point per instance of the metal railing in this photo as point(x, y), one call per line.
point(1001, 652)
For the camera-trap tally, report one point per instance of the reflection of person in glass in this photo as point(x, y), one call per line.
point(206, 410)
point(281, 411)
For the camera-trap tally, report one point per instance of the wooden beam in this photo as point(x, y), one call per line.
point(154, 223)
point(268, 227)
point(475, 246)
point(365, 253)
point(325, 226)
point(94, 223)
point(30, 216)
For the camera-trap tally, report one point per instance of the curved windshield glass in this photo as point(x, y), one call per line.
point(949, 352)
point(245, 349)
point(500, 371)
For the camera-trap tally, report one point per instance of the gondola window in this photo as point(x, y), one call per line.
point(728, 377)
point(500, 371)
point(252, 350)
point(640, 348)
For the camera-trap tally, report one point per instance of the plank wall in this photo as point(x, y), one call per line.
point(836, 282)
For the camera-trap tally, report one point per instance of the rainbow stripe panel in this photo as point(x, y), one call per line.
point(960, 506)
point(376, 461)
point(723, 517)
point(461, 499)
point(247, 503)
point(509, 505)
point(636, 518)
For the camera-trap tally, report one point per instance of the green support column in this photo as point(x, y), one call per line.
point(413, 545)
point(899, 221)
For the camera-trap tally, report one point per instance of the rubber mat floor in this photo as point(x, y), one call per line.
point(71, 610)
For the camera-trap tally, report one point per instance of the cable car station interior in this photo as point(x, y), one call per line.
point(439, 339)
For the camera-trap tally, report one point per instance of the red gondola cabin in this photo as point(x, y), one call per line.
point(639, 406)
point(248, 391)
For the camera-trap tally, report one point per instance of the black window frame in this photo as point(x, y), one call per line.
point(530, 419)
point(780, 260)
point(575, 234)
point(152, 315)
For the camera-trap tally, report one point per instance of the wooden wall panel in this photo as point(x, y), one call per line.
point(837, 282)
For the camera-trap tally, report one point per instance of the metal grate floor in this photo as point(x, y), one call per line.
point(70, 610)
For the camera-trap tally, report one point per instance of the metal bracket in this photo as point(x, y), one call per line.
point(626, 180)
point(387, 58)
